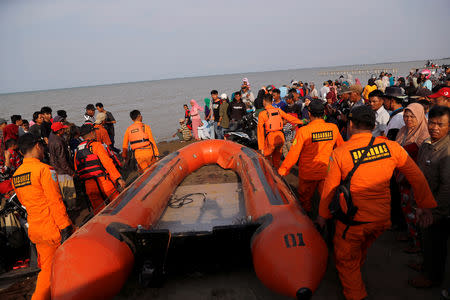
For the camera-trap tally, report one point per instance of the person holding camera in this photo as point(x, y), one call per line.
point(362, 206)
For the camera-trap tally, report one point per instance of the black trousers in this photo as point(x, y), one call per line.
point(434, 243)
point(397, 217)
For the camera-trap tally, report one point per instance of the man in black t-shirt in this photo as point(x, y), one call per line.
point(237, 110)
point(46, 127)
point(216, 114)
point(293, 107)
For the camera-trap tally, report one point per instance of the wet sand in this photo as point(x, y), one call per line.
point(385, 272)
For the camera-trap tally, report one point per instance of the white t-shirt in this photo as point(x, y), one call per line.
point(314, 93)
point(395, 123)
point(381, 120)
point(324, 91)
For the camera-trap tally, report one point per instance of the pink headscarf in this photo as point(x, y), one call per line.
point(357, 81)
point(418, 134)
point(195, 105)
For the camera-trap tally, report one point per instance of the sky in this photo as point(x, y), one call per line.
point(60, 44)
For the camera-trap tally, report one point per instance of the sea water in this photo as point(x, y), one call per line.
point(161, 101)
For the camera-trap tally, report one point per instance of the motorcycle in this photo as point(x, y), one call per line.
point(17, 250)
point(246, 132)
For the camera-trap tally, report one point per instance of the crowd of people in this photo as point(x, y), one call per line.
point(399, 124)
point(57, 168)
point(377, 155)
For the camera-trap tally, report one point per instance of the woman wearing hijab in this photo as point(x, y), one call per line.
point(195, 117)
point(380, 85)
point(208, 110)
point(415, 131)
point(385, 81)
point(411, 136)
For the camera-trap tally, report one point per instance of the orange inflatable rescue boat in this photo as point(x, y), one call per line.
point(289, 255)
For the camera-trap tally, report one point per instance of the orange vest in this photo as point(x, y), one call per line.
point(138, 137)
point(36, 186)
point(274, 121)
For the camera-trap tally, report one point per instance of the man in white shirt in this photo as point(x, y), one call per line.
point(324, 91)
point(314, 93)
point(382, 117)
point(393, 99)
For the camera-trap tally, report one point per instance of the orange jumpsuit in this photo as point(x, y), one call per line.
point(140, 138)
point(108, 190)
point(36, 186)
point(312, 148)
point(102, 135)
point(272, 143)
point(371, 194)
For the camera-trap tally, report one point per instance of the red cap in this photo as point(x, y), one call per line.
point(442, 92)
point(56, 126)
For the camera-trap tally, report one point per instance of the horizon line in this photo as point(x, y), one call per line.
point(198, 76)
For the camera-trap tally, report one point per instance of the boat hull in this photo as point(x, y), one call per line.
point(289, 255)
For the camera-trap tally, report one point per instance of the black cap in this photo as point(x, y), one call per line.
point(86, 128)
point(316, 107)
point(363, 114)
point(394, 91)
point(423, 92)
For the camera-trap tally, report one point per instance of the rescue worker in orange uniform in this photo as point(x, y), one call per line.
point(37, 188)
point(369, 188)
point(312, 148)
point(270, 130)
point(139, 137)
point(96, 166)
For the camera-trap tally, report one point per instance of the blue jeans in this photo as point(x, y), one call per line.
point(219, 131)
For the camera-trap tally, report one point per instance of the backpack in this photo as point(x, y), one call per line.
point(274, 120)
point(343, 191)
